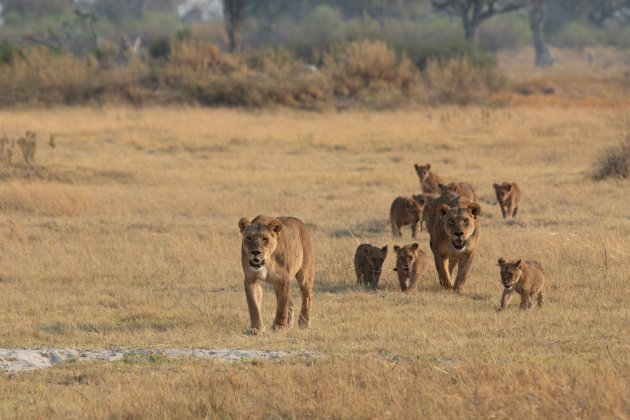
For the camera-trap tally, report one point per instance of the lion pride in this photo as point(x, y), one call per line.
point(276, 250)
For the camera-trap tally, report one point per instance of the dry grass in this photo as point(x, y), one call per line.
point(131, 240)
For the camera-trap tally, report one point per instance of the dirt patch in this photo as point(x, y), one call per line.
point(16, 360)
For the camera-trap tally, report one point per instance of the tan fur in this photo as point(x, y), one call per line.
point(461, 188)
point(428, 180)
point(526, 278)
point(456, 226)
point(411, 262)
point(283, 246)
point(405, 211)
point(509, 197)
point(368, 264)
point(451, 199)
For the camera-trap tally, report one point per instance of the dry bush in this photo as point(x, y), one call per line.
point(367, 66)
point(457, 80)
point(615, 162)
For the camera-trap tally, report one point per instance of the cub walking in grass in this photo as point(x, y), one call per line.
point(526, 278)
point(428, 180)
point(411, 262)
point(509, 197)
point(405, 211)
point(368, 264)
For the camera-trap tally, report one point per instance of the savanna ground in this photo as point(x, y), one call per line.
point(125, 235)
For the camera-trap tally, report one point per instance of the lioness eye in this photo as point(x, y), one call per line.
point(265, 240)
point(451, 221)
point(465, 222)
point(249, 239)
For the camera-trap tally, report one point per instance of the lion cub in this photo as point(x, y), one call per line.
point(527, 278)
point(368, 263)
point(405, 211)
point(508, 196)
point(428, 180)
point(411, 262)
point(463, 189)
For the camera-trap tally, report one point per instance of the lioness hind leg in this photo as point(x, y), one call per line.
point(305, 280)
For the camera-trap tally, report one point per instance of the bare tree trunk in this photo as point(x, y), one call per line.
point(544, 57)
point(233, 15)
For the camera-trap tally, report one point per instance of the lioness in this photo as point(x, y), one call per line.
point(405, 211)
point(276, 251)
point(526, 278)
point(450, 198)
point(368, 263)
point(428, 180)
point(453, 241)
point(462, 188)
point(508, 196)
point(411, 262)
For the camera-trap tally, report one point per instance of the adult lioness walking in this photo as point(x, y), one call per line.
point(276, 251)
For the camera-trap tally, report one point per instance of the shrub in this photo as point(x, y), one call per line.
point(615, 162)
point(504, 32)
point(578, 35)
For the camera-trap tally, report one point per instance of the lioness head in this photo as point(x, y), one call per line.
point(510, 272)
point(259, 241)
point(406, 256)
point(375, 256)
point(422, 170)
point(459, 223)
point(502, 191)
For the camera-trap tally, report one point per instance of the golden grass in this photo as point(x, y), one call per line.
point(130, 239)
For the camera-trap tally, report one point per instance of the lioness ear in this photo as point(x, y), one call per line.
point(519, 263)
point(415, 165)
point(443, 209)
point(396, 247)
point(415, 246)
point(496, 186)
point(508, 187)
point(501, 261)
point(428, 166)
point(475, 209)
point(243, 224)
point(384, 249)
point(275, 225)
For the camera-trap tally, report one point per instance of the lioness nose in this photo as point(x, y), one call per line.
point(256, 253)
point(459, 233)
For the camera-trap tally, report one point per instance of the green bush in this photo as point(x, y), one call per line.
point(504, 32)
point(578, 35)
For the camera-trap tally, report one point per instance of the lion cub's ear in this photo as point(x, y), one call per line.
point(396, 247)
point(501, 262)
point(443, 209)
point(415, 246)
point(384, 249)
point(428, 165)
point(475, 209)
point(496, 186)
point(519, 263)
point(366, 250)
point(275, 225)
point(415, 165)
point(244, 224)
point(508, 187)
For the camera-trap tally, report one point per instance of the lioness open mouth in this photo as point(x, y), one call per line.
point(459, 244)
point(508, 287)
point(257, 263)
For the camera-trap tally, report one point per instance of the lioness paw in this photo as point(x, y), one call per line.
point(254, 331)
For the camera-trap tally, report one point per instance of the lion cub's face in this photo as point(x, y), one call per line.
point(259, 241)
point(406, 256)
point(503, 191)
point(414, 208)
point(374, 257)
point(510, 272)
point(423, 171)
point(459, 223)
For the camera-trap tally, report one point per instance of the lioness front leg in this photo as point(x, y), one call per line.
point(505, 299)
point(514, 211)
point(305, 279)
point(445, 277)
point(465, 262)
point(283, 298)
point(414, 230)
point(503, 210)
point(253, 293)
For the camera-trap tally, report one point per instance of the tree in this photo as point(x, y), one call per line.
point(474, 12)
point(233, 15)
point(542, 51)
point(34, 8)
